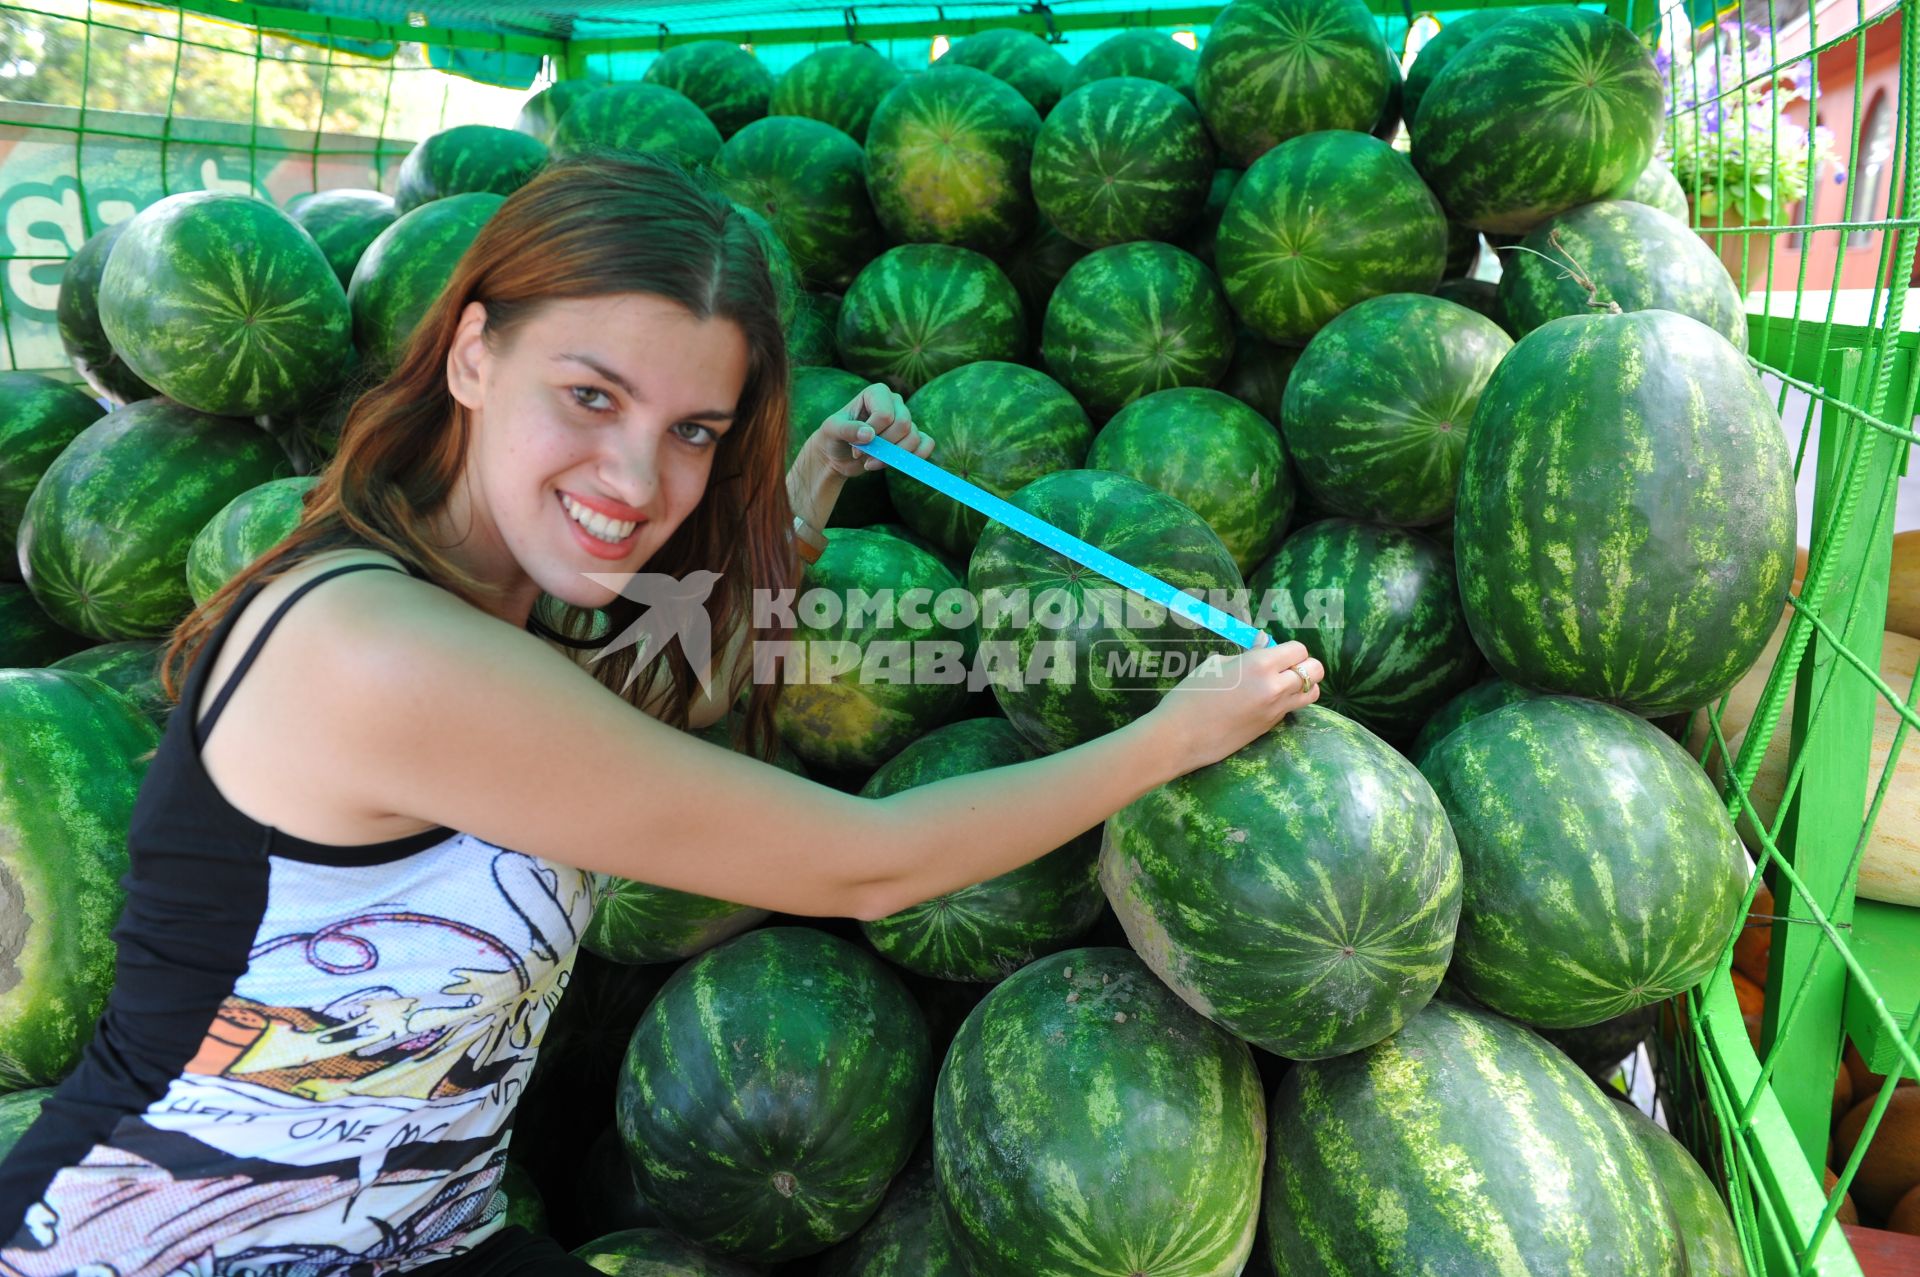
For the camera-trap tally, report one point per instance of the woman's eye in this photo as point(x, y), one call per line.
point(592, 399)
point(695, 433)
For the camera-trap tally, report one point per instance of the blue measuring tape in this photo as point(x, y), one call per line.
point(1146, 585)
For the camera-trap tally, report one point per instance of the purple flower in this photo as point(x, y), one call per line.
point(1663, 60)
point(1710, 118)
point(1839, 175)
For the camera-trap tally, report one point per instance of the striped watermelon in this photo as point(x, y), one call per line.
point(810, 330)
point(402, 273)
point(771, 1091)
point(343, 223)
point(1258, 375)
point(1463, 1144)
point(720, 78)
point(1301, 894)
point(1322, 223)
point(1616, 885)
point(543, 111)
point(1020, 59)
point(638, 119)
point(808, 180)
point(1122, 159)
point(1460, 31)
point(838, 85)
point(223, 303)
point(1658, 187)
point(1378, 607)
point(907, 1238)
point(1203, 232)
point(813, 395)
point(901, 531)
point(789, 297)
point(1377, 410)
point(948, 152)
point(78, 314)
point(1625, 524)
point(39, 417)
point(873, 682)
point(68, 776)
point(1699, 1212)
point(1057, 684)
point(1211, 453)
point(1637, 257)
point(18, 1111)
point(1036, 265)
point(987, 931)
point(28, 636)
point(919, 310)
point(131, 668)
point(105, 537)
point(246, 528)
point(467, 158)
point(1558, 109)
point(1271, 70)
point(1151, 55)
point(997, 425)
point(1132, 319)
point(655, 1252)
point(1482, 698)
point(1086, 1121)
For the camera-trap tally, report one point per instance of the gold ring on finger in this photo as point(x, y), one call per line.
point(1306, 680)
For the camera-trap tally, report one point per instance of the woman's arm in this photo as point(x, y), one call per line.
point(423, 707)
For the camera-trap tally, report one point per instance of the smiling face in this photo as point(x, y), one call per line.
point(595, 426)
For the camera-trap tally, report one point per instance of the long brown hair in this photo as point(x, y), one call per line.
point(592, 226)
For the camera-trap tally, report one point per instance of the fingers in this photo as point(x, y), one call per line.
point(885, 413)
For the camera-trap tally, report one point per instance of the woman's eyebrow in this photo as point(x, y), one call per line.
point(602, 370)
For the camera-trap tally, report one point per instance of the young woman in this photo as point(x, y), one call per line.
point(352, 906)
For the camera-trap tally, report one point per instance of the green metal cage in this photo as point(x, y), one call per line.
point(1790, 126)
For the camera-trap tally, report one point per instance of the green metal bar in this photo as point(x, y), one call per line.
point(300, 22)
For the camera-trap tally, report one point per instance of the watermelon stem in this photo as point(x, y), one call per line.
point(1573, 270)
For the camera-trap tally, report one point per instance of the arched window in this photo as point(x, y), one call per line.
point(1872, 168)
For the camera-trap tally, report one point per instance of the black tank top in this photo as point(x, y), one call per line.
point(311, 1053)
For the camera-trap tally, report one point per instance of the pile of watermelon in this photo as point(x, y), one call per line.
point(1223, 315)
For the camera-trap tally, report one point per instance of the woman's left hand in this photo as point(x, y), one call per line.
point(875, 410)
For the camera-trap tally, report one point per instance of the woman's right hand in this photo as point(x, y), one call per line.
point(1229, 702)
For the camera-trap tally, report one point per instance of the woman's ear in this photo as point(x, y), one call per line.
point(467, 357)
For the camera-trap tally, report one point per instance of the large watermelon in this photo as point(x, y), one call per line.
point(919, 310)
point(1301, 893)
point(1699, 1212)
point(1379, 608)
point(1322, 223)
point(1086, 1121)
point(1214, 455)
point(1081, 656)
point(39, 417)
point(1377, 410)
point(655, 1252)
point(1557, 107)
point(838, 85)
point(1258, 375)
point(343, 223)
point(1625, 526)
point(18, 1111)
point(948, 152)
point(1021, 59)
point(78, 315)
point(1036, 265)
point(720, 77)
point(542, 113)
point(1122, 159)
point(105, 537)
point(28, 636)
point(638, 119)
point(75, 754)
point(467, 158)
point(987, 931)
point(1461, 1145)
point(1132, 319)
point(223, 303)
point(808, 180)
point(1617, 883)
point(772, 1089)
point(1151, 55)
point(1634, 256)
point(908, 1237)
point(1482, 698)
point(244, 529)
point(813, 395)
point(1463, 29)
point(872, 678)
point(1271, 70)
point(401, 274)
point(997, 425)
point(1658, 187)
point(131, 668)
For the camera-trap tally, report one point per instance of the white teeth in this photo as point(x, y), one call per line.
point(612, 531)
